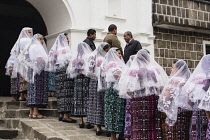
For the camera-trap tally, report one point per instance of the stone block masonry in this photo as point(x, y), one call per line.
point(174, 44)
point(188, 13)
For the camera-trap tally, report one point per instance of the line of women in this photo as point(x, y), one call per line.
point(136, 100)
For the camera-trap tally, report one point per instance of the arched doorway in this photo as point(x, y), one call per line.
point(15, 15)
point(57, 15)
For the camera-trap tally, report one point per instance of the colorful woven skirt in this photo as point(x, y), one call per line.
point(145, 119)
point(127, 132)
point(114, 111)
point(198, 127)
point(64, 91)
point(180, 130)
point(95, 108)
point(37, 95)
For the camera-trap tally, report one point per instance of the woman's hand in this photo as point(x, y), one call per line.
point(117, 74)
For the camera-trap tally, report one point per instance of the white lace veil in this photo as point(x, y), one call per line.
point(60, 54)
point(22, 42)
point(114, 67)
point(193, 91)
point(168, 99)
point(96, 57)
point(77, 65)
point(38, 56)
point(129, 62)
point(145, 77)
point(122, 78)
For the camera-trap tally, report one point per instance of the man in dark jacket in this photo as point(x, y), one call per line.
point(132, 46)
point(91, 36)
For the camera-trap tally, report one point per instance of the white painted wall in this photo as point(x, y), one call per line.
point(76, 17)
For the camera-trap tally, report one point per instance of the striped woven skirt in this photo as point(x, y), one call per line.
point(37, 95)
point(81, 93)
point(14, 86)
point(95, 108)
point(64, 91)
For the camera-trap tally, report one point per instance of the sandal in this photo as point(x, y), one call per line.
point(22, 99)
point(30, 116)
point(38, 116)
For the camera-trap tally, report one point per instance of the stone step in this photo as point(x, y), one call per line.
point(23, 113)
point(52, 104)
point(6, 133)
point(52, 129)
point(11, 126)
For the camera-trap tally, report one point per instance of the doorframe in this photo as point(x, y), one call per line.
point(204, 46)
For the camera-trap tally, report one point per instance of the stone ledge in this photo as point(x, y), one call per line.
point(181, 27)
point(202, 1)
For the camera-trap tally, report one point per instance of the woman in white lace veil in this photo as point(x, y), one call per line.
point(168, 100)
point(143, 83)
point(144, 77)
point(12, 66)
point(78, 65)
point(114, 106)
point(60, 55)
point(177, 119)
point(127, 132)
point(77, 70)
point(193, 97)
point(94, 70)
point(36, 57)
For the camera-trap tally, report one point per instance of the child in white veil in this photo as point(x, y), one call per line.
point(169, 102)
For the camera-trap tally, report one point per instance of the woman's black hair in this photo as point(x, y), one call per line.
point(106, 47)
point(118, 49)
point(65, 34)
point(174, 62)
